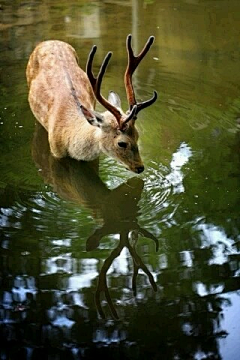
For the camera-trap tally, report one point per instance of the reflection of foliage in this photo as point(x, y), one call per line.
point(88, 7)
point(149, 2)
point(188, 317)
point(81, 6)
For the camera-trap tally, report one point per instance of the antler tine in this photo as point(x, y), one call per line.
point(144, 104)
point(133, 62)
point(101, 73)
point(130, 116)
point(89, 72)
point(97, 81)
point(102, 283)
point(138, 264)
point(148, 235)
point(109, 301)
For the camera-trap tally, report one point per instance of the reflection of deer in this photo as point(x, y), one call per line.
point(63, 97)
point(117, 208)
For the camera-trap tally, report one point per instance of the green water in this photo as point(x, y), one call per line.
point(118, 265)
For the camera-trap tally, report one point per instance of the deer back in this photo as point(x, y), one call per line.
point(52, 74)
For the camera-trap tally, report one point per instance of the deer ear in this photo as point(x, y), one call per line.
point(92, 117)
point(114, 99)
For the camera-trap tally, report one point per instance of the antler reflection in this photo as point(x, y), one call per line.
point(137, 264)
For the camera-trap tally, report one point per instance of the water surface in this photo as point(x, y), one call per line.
point(114, 264)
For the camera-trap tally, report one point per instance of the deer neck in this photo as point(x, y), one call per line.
point(84, 141)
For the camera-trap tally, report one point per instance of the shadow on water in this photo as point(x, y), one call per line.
point(80, 183)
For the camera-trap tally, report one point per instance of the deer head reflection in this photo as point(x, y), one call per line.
point(118, 208)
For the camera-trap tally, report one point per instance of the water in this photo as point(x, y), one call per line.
point(118, 265)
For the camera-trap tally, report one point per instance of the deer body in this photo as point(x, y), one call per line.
point(62, 97)
point(52, 69)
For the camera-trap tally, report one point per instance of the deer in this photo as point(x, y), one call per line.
point(62, 97)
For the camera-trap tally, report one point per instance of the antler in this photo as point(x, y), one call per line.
point(133, 62)
point(96, 86)
point(102, 284)
point(137, 261)
point(137, 264)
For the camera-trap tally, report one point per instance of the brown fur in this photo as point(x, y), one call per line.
point(53, 77)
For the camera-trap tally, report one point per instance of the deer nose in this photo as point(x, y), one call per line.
point(139, 169)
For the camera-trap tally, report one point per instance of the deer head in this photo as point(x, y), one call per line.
point(119, 135)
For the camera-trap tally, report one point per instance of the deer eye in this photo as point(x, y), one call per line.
point(122, 144)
